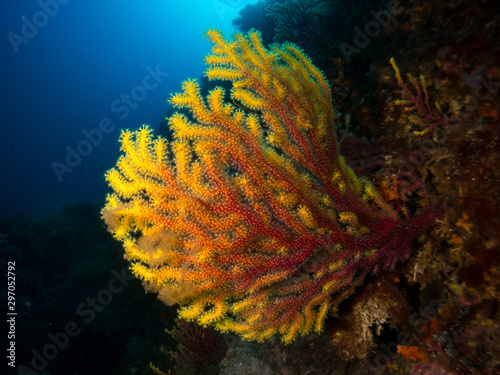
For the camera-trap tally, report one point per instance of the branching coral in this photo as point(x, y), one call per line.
point(250, 218)
point(417, 104)
point(298, 18)
point(197, 345)
point(303, 22)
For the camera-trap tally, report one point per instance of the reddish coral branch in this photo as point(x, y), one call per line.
point(253, 222)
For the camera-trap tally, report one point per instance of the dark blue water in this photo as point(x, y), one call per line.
point(71, 69)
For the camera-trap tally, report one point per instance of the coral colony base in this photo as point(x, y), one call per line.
point(250, 218)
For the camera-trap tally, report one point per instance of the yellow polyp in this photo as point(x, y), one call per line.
point(335, 265)
point(306, 217)
point(112, 201)
point(178, 100)
point(369, 253)
point(255, 38)
point(238, 116)
point(121, 232)
point(227, 110)
point(306, 180)
point(222, 325)
point(419, 133)
point(205, 255)
point(321, 317)
point(326, 200)
point(140, 271)
point(364, 230)
point(156, 370)
point(280, 90)
point(254, 319)
point(402, 102)
point(215, 99)
point(214, 314)
point(310, 317)
point(329, 285)
point(226, 325)
point(396, 70)
point(342, 187)
point(143, 138)
point(355, 182)
point(336, 178)
point(348, 218)
point(223, 73)
point(249, 336)
point(283, 328)
point(372, 194)
point(267, 334)
point(126, 140)
point(293, 330)
point(370, 191)
point(191, 312)
point(253, 124)
point(268, 280)
point(215, 59)
point(288, 200)
point(133, 252)
point(303, 124)
point(438, 106)
point(160, 147)
point(191, 90)
point(179, 123)
point(248, 98)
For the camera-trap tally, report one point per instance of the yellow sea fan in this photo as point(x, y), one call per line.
point(249, 218)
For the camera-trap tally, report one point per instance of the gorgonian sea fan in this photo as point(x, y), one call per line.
point(250, 219)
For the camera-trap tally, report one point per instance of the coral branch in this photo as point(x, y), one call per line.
point(252, 220)
point(417, 103)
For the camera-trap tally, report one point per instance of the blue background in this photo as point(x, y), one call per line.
point(63, 78)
